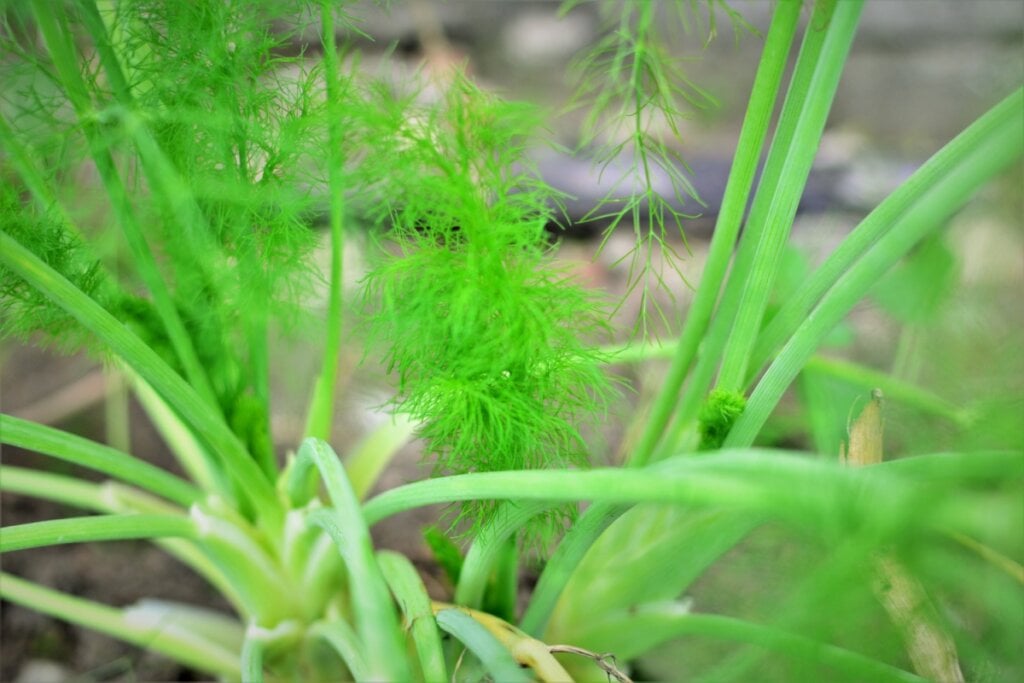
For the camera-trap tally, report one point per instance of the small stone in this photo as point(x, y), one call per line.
point(43, 671)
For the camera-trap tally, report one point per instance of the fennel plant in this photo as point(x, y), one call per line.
point(205, 148)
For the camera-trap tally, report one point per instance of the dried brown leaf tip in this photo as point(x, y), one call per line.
point(864, 444)
point(929, 646)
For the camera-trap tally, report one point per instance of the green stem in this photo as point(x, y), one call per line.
point(116, 407)
point(179, 644)
point(789, 163)
point(876, 224)
point(563, 562)
point(599, 516)
point(151, 368)
point(741, 178)
point(69, 491)
point(409, 591)
point(80, 451)
point(111, 497)
point(52, 25)
point(722, 327)
point(340, 636)
point(95, 528)
point(1003, 146)
point(252, 657)
point(258, 579)
point(798, 489)
point(321, 410)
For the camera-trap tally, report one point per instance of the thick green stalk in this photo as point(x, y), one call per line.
point(810, 103)
point(113, 498)
point(370, 457)
point(411, 595)
point(875, 225)
point(151, 368)
point(321, 409)
point(563, 562)
point(795, 488)
point(256, 577)
point(179, 644)
point(376, 621)
point(1004, 146)
point(194, 456)
point(722, 326)
point(252, 657)
point(748, 151)
point(52, 25)
point(340, 636)
point(75, 449)
point(68, 491)
point(94, 528)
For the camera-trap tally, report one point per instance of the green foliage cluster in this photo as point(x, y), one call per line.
point(717, 416)
point(25, 312)
point(208, 138)
point(491, 343)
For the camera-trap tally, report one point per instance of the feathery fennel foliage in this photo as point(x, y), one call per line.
point(486, 337)
point(208, 143)
point(637, 93)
